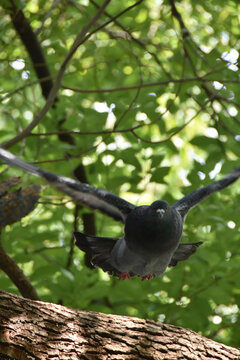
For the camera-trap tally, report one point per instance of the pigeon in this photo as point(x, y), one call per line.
point(152, 233)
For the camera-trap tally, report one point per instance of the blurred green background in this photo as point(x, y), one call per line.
point(150, 103)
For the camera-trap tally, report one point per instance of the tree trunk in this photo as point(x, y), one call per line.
point(37, 330)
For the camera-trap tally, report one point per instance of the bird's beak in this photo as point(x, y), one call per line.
point(160, 212)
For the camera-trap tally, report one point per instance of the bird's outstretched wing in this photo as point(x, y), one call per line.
point(95, 198)
point(183, 252)
point(192, 199)
point(99, 249)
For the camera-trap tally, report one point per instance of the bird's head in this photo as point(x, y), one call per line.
point(160, 207)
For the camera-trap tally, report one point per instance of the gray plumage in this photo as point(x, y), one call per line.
point(152, 234)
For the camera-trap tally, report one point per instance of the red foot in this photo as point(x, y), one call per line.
point(147, 277)
point(124, 275)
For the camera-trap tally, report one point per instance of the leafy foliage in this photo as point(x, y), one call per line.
point(150, 105)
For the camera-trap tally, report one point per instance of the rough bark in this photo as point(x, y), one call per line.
point(37, 330)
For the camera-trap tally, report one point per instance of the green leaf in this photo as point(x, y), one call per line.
point(159, 174)
point(67, 274)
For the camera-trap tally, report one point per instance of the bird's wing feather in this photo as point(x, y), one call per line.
point(95, 198)
point(183, 252)
point(192, 199)
point(99, 250)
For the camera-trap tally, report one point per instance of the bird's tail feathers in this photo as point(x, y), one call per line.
point(99, 249)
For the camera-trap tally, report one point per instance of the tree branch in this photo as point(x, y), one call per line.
point(32, 329)
point(13, 271)
point(33, 47)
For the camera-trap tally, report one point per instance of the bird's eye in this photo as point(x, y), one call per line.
point(166, 208)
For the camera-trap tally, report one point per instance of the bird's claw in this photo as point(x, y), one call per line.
point(147, 277)
point(124, 275)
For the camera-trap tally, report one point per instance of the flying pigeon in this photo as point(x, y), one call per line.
point(151, 240)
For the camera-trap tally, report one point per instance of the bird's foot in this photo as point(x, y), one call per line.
point(124, 275)
point(147, 277)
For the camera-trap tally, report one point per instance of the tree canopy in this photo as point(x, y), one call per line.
point(140, 98)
